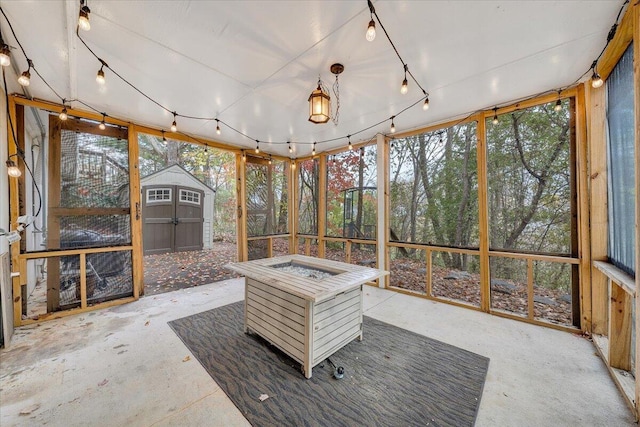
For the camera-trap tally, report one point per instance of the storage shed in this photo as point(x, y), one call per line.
point(177, 211)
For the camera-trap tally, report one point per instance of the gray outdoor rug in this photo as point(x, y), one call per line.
point(392, 378)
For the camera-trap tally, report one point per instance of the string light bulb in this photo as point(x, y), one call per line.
point(269, 158)
point(63, 114)
point(495, 116)
point(350, 144)
point(425, 106)
point(257, 146)
point(405, 86)
point(371, 31)
point(102, 124)
point(596, 80)
point(393, 126)
point(558, 105)
point(12, 169)
point(5, 55)
point(218, 131)
point(100, 76)
point(25, 77)
point(244, 156)
point(313, 150)
point(290, 149)
point(174, 125)
point(83, 17)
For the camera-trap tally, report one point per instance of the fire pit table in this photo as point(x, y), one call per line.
point(307, 307)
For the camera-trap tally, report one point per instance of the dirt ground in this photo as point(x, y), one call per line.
point(169, 272)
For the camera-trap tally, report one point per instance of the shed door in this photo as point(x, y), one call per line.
point(189, 219)
point(172, 218)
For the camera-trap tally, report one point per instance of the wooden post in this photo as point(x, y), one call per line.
point(241, 204)
point(483, 216)
point(636, 73)
point(322, 205)
point(292, 207)
point(137, 264)
point(83, 280)
point(382, 232)
point(14, 213)
point(530, 290)
point(581, 247)
point(429, 282)
point(597, 174)
point(619, 327)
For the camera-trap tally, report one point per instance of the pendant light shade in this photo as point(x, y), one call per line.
point(319, 102)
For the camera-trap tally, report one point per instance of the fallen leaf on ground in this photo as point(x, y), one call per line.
point(30, 409)
point(103, 382)
point(263, 397)
point(186, 359)
point(146, 323)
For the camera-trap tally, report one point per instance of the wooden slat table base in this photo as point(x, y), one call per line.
point(308, 319)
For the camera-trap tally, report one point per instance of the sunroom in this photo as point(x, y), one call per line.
point(475, 163)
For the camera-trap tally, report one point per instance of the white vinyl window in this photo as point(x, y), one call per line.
point(158, 195)
point(190, 196)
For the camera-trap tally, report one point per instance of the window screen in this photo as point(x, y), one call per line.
point(620, 151)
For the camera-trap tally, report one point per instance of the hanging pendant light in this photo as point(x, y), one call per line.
point(319, 102)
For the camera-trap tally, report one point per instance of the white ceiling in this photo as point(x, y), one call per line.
point(253, 64)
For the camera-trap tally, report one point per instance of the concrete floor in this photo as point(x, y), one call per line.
point(125, 366)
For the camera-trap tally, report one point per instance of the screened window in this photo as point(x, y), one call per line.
point(434, 188)
point(308, 197)
point(352, 194)
point(529, 179)
point(621, 191)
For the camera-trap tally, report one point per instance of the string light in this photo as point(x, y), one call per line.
point(5, 54)
point(558, 105)
point(371, 29)
point(405, 85)
point(425, 106)
point(596, 80)
point(269, 158)
point(313, 150)
point(495, 116)
point(100, 76)
point(83, 17)
point(393, 126)
point(12, 169)
point(174, 126)
point(164, 139)
point(218, 131)
point(63, 114)
point(350, 144)
point(290, 149)
point(257, 146)
point(361, 151)
point(25, 77)
point(244, 156)
point(102, 124)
